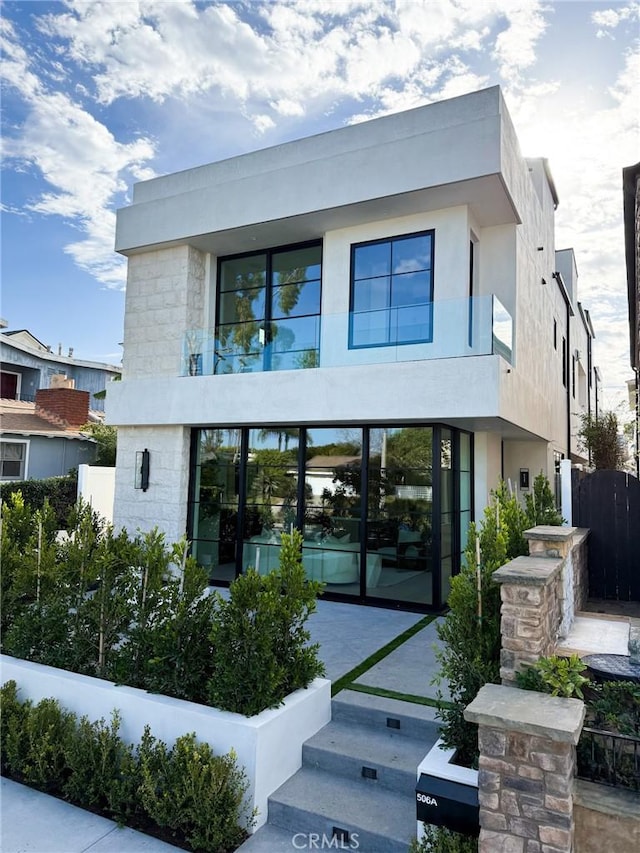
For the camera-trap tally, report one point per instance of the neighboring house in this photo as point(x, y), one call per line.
point(42, 439)
point(388, 293)
point(631, 206)
point(28, 365)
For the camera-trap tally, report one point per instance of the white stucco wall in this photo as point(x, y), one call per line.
point(453, 167)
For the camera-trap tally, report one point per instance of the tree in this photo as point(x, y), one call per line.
point(106, 438)
point(600, 437)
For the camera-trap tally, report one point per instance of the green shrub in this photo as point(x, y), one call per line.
point(13, 738)
point(261, 650)
point(59, 492)
point(439, 839)
point(196, 794)
point(28, 556)
point(167, 648)
point(614, 706)
point(47, 729)
point(102, 771)
point(557, 675)
point(199, 796)
point(540, 504)
point(136, 612)
point(470, 656)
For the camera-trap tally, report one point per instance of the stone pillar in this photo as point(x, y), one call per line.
point(570, 544)
point(527, 747)
point(530, 589)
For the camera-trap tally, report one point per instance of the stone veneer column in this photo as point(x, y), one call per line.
point(531, 593)
point(527, 756)
point(570, 544)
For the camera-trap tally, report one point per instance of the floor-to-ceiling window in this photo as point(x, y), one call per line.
point(215, 488)
point(270, 492)
point(400, 514)
point(384, 510)
point(268, 312)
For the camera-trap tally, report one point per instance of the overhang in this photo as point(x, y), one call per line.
point(461, 151)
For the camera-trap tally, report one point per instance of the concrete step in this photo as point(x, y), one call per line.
point(406, 719)
point(318, 803)
point(380, 758)
point(272, 839)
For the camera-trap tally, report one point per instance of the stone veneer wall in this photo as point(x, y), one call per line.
point(605, 818)
point(534, 592)
point(527, 747)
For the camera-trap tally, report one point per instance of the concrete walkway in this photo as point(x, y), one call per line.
point(33, 822)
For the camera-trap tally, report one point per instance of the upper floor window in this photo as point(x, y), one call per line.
point(268, 312)
point(392, 291)
point(13, 455)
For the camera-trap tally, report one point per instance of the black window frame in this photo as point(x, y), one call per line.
point(430, 232)
point(269, 253)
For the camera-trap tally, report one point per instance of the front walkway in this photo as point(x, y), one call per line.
point(364, 649)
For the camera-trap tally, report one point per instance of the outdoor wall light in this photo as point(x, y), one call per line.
point(142, 470)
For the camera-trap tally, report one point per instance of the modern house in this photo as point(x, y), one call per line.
point(43, 439)
point(29, 365)
point(357, 334)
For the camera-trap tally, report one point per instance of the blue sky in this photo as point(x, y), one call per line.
point(98, 94)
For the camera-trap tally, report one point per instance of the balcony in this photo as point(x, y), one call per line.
point(448, 328)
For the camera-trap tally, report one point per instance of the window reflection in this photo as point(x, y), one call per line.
point(367, 518)
point(268, 315)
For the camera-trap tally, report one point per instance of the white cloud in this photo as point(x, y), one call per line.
point(609, 19)
point(305, 50)
point(79, 158)
point(515, 47)
point(275, 62)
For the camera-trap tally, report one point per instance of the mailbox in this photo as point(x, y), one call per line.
point(445, 803)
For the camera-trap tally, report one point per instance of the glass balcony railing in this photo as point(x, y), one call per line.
point(447, 328)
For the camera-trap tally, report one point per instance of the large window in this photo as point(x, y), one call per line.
point(392, 291)
point(383, 510)
point(268, 314)
point(13, 457)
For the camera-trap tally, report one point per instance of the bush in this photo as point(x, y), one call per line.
point(259, 632)
point(60, 492)
point(470, 632)
point(42, 742)
point(139, 613)
point(167, 648)
point(198, 796)
point(439, 839)
point(13, 739)
point(615, 707)
point(103, 774)
point(600, 437)
point(559, 676)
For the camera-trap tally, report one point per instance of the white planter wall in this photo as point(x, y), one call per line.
point(439, 762)
point(268, 745)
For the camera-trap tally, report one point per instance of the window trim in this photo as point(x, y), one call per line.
point(396, 237)
point(25, 461)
